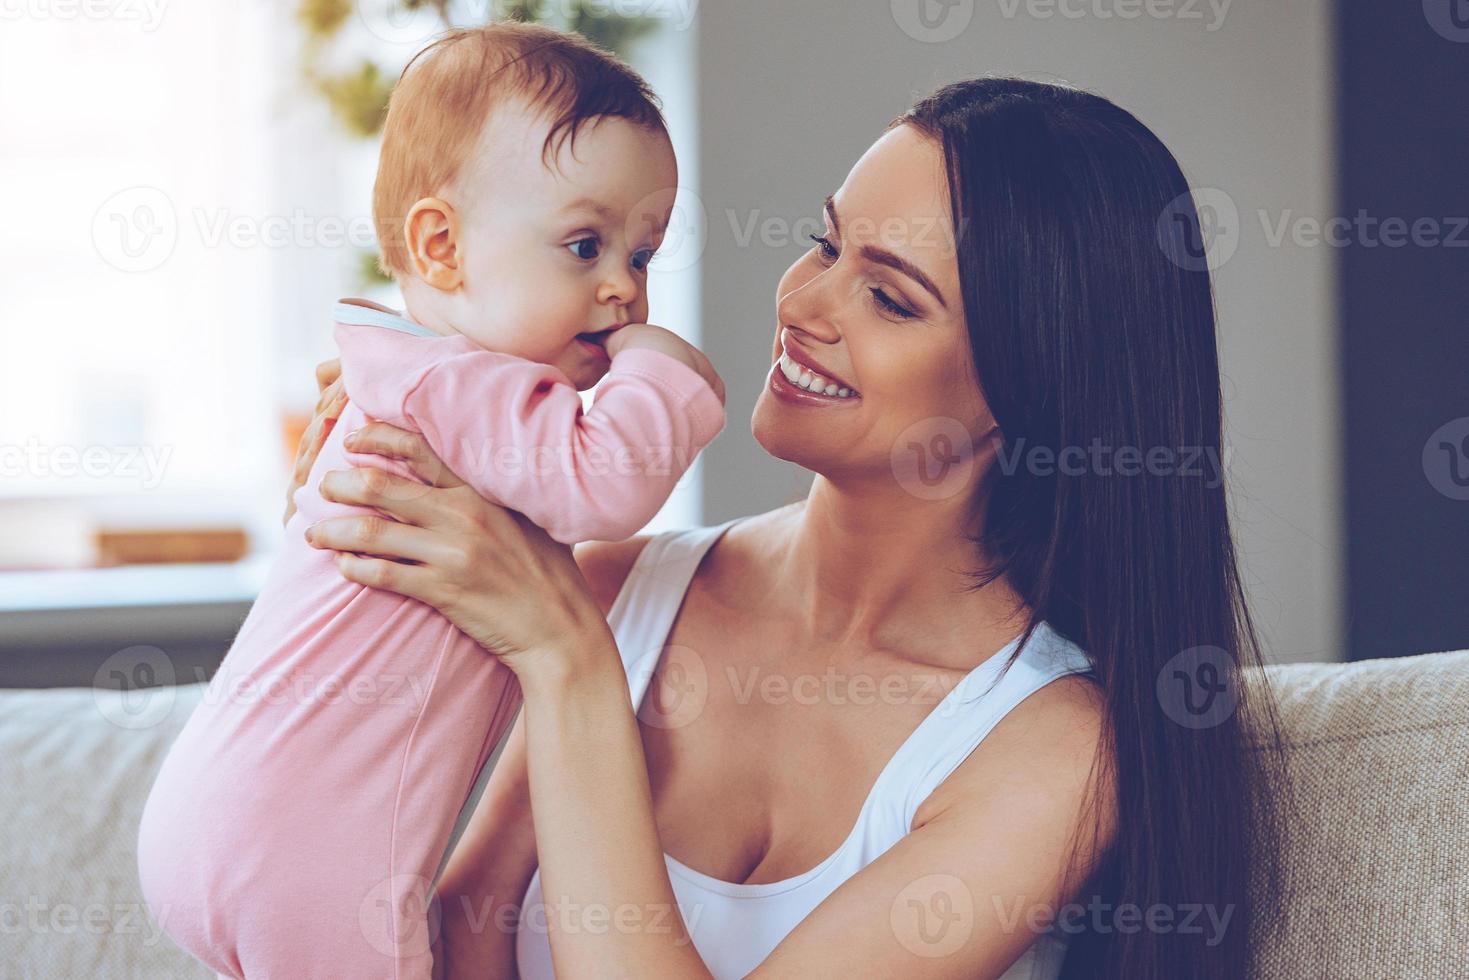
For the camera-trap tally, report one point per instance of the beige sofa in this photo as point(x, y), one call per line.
point(1378, 865)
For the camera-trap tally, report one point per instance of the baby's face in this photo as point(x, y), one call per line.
point(554, 252)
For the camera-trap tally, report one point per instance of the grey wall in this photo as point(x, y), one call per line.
point(1404, 151)
point(790, 94)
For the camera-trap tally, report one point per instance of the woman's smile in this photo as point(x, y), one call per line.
point(791, 390)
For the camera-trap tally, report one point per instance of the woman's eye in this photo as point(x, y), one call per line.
point(585, 248)
point(641, 258)
point(885, 302)
point(828, 250)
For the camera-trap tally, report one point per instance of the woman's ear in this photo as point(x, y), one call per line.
point(431, 235)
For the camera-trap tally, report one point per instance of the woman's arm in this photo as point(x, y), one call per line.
point(491, 867)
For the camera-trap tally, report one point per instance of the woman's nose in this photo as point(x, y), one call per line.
point(806, 309)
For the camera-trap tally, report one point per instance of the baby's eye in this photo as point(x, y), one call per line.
point(586, 248)
point(641, 258)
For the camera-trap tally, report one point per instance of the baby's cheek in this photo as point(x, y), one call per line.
point(639, 312)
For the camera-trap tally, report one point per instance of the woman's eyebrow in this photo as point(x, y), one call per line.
point(882, 256)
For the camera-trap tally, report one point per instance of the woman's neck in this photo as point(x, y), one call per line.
point(886, 569)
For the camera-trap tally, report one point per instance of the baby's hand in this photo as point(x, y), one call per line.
point(647, 336)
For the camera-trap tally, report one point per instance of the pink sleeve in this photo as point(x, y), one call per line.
point(515, 431)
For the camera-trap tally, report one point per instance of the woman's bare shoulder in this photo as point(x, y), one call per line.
point(606, 564)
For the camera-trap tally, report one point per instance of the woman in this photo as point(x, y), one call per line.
point(1001, 286)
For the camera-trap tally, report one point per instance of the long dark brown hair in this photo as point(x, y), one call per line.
point(1090, 313)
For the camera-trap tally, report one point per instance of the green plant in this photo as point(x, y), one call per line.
point(358, 96)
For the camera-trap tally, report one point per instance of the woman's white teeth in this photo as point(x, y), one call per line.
point(810, 380)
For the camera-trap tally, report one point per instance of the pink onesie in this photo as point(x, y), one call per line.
point(295, 827)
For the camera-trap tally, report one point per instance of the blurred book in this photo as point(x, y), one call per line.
point(145, 546)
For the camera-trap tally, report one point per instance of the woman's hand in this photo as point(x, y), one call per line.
point(331, 400)
point(494, 574)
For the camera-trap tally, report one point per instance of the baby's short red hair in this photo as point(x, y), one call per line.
point(446, 92)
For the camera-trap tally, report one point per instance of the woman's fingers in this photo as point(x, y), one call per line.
point(379, 537)
point(414, 581)
point(367, 486)
point(382, 439)
point(327, 373)
point(329, 407)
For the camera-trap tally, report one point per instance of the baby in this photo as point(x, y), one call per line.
point(525, 181)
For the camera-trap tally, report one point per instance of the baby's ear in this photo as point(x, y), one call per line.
point(431, 236)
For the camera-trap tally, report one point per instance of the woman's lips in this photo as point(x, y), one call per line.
point(793, 394)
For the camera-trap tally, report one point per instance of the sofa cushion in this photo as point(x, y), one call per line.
point(1376, 855)
point(76, 765)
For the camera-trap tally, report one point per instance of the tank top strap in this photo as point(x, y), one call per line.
point(950, 732)
point(647, 604)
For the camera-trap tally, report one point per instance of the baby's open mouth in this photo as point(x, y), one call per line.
point(597, 338)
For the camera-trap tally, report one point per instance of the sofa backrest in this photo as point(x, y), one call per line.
point(1375, 858)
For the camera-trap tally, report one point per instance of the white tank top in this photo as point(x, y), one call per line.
point(735, 926)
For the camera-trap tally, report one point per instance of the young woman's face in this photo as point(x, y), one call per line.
point(874, 306)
